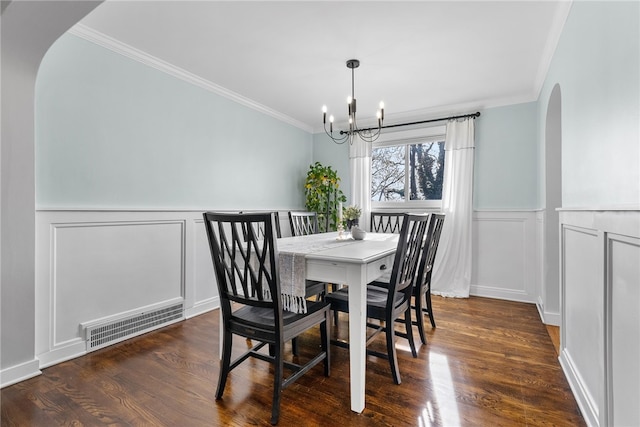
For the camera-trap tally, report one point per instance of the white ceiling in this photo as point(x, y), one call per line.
point(423, 58)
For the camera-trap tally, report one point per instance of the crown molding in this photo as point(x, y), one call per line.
point(103, 40)
point(560, 18)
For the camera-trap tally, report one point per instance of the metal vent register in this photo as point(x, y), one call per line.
point(104, 334)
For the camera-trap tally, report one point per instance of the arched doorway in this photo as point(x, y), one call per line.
point(553, 201)
point(28, 30)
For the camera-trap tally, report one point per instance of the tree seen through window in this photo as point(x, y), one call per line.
point(423, 165)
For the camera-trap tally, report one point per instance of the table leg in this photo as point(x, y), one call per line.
point(356, 276)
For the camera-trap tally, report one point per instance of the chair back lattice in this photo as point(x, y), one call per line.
point(276, 222)
point(303, 223)
point(425, 269)
point(245, 259)
point(405, 264)
point(386, 222)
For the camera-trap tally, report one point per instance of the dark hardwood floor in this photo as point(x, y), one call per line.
point(488, 363)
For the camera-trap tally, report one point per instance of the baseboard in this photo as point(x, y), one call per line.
point(20, 372)
point(580, 392)
point(202, 307)
point(59, 354)
point(499, 293)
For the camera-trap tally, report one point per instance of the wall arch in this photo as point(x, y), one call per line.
point(553, 201)
point(28, 30)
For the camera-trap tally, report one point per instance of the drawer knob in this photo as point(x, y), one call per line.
point(383, 267)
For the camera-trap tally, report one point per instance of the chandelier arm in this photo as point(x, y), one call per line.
point(339, 140)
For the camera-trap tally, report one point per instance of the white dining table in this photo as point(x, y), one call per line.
point(353, 263)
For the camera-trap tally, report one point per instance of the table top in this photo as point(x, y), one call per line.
point(327, 246)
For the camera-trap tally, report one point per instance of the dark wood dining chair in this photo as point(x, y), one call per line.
point(386, 222)
point(422, 285)
point(302, 224)
point(246, 269)
point(393, 301)
point(276, 225)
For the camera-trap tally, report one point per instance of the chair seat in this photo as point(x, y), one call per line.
point(261, 319)
point(376, 301)
point(384, 283)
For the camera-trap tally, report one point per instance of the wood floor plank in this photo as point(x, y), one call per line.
point(488, 362)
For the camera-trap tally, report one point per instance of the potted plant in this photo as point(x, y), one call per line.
point(352, 216)
point(323, 195)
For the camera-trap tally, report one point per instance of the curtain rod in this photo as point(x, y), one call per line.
point(474, 115)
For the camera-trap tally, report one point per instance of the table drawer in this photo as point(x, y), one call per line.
point(327, 271)
point(379, 267)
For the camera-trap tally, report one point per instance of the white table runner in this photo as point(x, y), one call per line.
point(292, 264)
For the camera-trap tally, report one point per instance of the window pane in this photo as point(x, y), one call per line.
point(426, 170)
point(388, 173)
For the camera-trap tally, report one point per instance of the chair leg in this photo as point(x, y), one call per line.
point(277, 382)
point(420, 319)
point(428, 298)
point(325, 333)
point(227, 340)
point(391, 353)
point(408, 326)
point(294, 346)
point(334, 288)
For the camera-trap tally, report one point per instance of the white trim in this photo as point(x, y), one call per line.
point(201, 307)
point(402, 136)
point(629, 207)
point(584, 399)
point(553, 37)
point(20, 372)
point(406, 137)
point(101, 39)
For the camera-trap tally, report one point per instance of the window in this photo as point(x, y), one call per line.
point(407, 169)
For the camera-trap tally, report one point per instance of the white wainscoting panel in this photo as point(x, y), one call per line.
point(205, 294)
point(102, 265)
point(106, 268)
point(600, 330)
point(584, 311)
point(93, 265)
point(623, 317)
point(505, 255)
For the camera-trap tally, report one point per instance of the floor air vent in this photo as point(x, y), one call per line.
point(104, 334)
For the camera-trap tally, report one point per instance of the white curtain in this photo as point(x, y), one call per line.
point(360, 173)
point(452, 269)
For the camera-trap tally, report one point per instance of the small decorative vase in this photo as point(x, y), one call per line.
point(358, 233)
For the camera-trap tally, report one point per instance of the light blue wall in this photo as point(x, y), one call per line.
point(113, 133)
point(335, 155)
point(506, 159)
point(597, 65)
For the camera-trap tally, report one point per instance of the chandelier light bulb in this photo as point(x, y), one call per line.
point(381, 105)
point(324, 109)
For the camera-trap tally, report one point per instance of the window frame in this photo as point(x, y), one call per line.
point(406, 138)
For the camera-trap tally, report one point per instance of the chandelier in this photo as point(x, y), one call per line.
point(367, 134)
